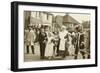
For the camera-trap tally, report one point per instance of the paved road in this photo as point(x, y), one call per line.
point(36, 57)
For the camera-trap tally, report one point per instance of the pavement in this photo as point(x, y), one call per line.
point(36, 57)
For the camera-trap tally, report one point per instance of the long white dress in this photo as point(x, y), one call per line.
point(62, 39)
point(71, 46)
point(49, 47)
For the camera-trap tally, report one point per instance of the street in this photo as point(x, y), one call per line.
point(36, 57)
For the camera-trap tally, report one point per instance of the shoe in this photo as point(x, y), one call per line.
point(57, 55)
point(33, 53)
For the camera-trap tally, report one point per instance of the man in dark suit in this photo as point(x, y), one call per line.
point(42, 42)
point(76, 41)
point(82, 44)
point(79, 42)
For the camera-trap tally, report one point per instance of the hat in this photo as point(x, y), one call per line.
point(64, 27)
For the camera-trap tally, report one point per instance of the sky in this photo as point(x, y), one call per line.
point(78, 16)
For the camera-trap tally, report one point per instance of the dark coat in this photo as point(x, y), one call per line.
point(42, 42)
point(81, 41)
point(42, 37)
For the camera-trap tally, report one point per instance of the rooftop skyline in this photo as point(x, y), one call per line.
point(78, 16)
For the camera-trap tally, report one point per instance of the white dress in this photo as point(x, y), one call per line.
point(62, 39)
point(49, 47)
point(71, 46)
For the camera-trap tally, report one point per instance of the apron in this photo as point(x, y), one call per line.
point(62, 40)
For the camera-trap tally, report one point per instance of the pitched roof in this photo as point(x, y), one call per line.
point(69, 19)
point(86, 24)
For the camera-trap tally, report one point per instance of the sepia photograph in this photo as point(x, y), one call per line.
point(52, 36)
point(56, 36)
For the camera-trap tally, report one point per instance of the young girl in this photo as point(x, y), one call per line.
point(71, 46)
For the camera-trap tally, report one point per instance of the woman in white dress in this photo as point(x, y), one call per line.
point(49, 46)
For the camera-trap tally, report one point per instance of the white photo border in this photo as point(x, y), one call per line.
point(34, 64)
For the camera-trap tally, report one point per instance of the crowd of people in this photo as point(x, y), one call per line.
point(57, 43)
